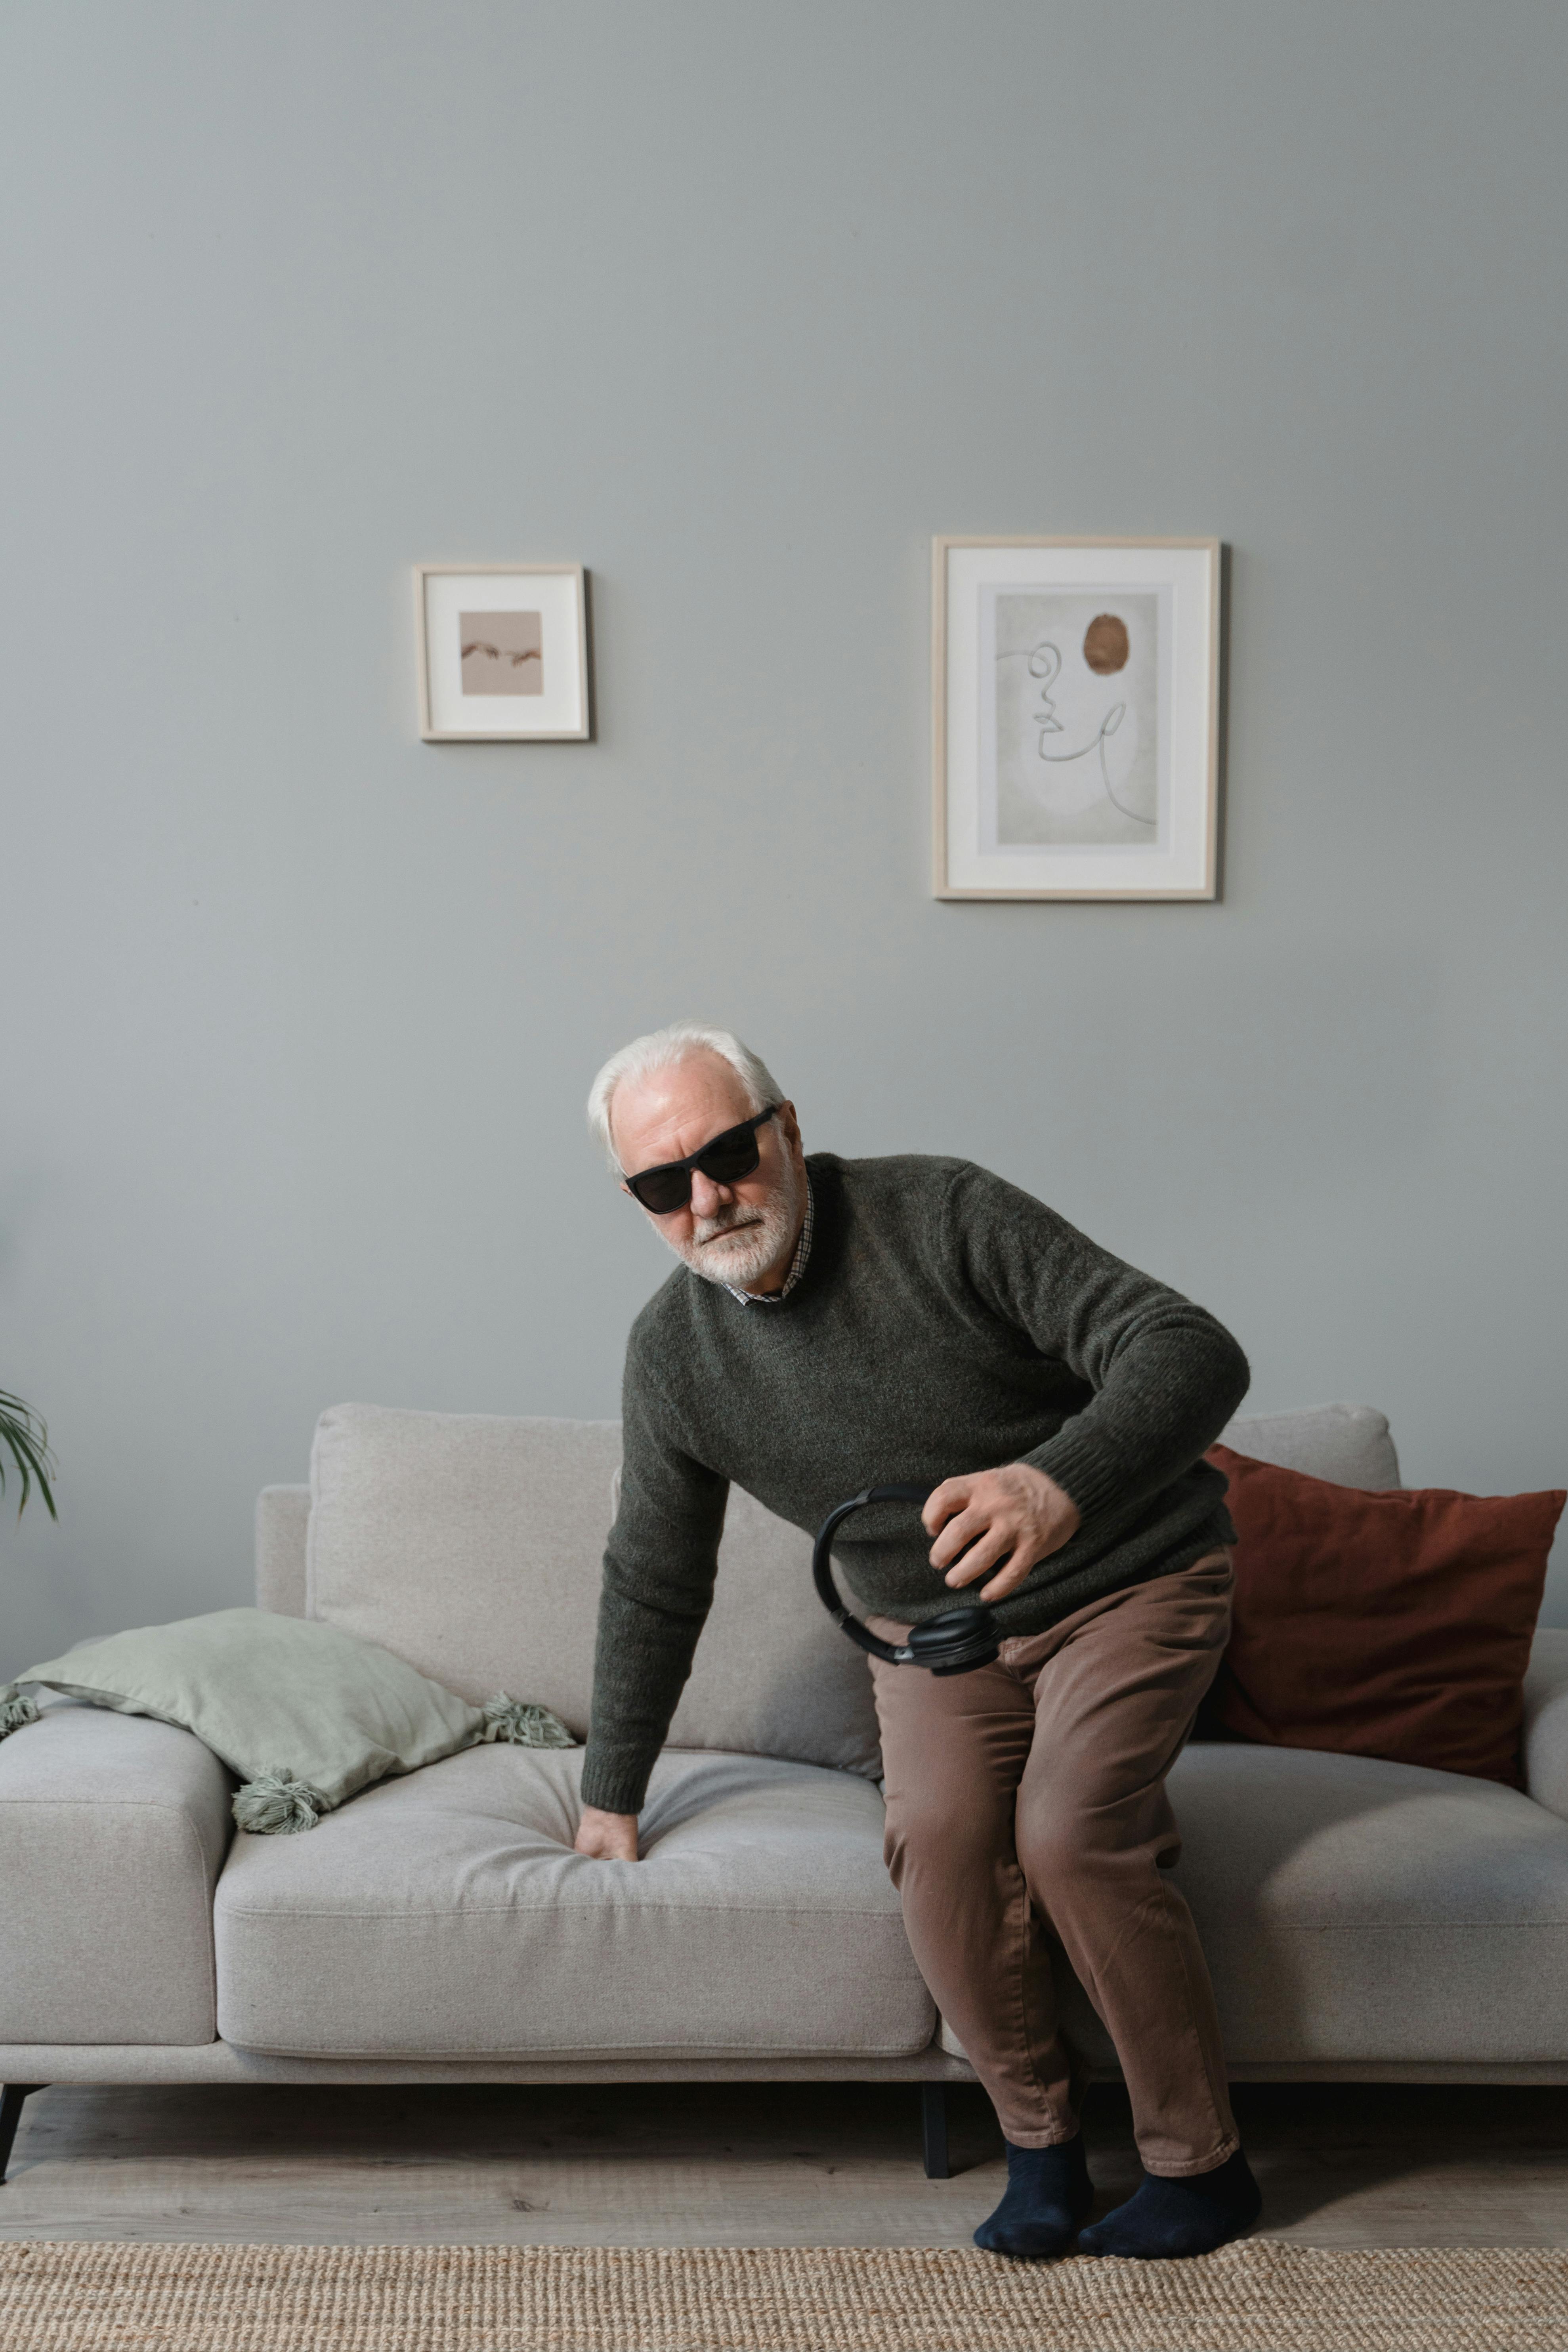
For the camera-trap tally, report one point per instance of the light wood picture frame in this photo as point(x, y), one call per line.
point(1075, 717)
point(502, 652)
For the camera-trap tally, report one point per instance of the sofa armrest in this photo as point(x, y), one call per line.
point(1546, 1721)
point(282, 1520)
point(113, 1832)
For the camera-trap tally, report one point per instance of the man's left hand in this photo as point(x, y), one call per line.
point(1015, 1516)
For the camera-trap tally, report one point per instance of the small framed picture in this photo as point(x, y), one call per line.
point(503, 653)
point(1076, 717)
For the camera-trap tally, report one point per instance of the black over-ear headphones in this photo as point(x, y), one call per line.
point(954, 1643)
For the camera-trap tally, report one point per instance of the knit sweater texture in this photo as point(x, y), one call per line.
point(945, 1322)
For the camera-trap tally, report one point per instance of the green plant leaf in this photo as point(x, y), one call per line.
point(25, 1436)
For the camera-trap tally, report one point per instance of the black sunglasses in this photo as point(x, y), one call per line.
point(729, 1157)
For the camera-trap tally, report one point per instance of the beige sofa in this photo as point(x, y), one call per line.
point(1362, 1919)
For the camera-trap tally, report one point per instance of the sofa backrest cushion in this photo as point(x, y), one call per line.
point(471, 1545)
point(1348, 1444)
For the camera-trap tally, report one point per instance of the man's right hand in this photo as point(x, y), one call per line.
point(607, 1837)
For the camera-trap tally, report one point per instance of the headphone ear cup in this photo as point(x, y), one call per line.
point(956, 1641)
point(985, 1657)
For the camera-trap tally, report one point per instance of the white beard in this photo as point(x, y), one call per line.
point(760, 1236)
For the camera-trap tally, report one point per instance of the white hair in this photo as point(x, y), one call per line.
point(661, 1050)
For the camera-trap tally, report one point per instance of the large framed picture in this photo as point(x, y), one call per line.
point(503, 653)
point(1076, 717)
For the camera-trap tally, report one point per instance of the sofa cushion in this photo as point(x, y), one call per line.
point(1352, 1908)
point(1349, 1444)
point(447, 1915)
point(113, 1832)
point(1395, 1624)
point(472, 1546)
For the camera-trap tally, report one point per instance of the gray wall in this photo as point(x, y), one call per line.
point(738, 305)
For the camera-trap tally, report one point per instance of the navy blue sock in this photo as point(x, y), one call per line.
point(1049, 2196)
point(1165, 2220)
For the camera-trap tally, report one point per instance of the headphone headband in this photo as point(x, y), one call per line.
point(951, 1644)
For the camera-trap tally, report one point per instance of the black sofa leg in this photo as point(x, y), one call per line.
point(11, 2098)
point(933, 2129)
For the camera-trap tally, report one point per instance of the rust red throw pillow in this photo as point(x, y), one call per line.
point(1391, 1624)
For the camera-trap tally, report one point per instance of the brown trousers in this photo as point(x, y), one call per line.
point(1026, 1801)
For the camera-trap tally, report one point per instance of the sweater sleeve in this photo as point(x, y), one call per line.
point(660, 1567)
point(1166, 1376)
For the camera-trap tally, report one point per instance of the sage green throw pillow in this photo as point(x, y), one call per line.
point(306, 1715)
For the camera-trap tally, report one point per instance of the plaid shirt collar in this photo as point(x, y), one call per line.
point(796, 1264)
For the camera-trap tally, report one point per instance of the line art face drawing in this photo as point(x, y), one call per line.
point(502, 653)
point(1076, 714)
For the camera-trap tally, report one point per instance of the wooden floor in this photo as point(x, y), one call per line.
point(734, 2163)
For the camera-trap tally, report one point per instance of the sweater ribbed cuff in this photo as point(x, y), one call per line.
point(614, 1784)
point(1083, 1469)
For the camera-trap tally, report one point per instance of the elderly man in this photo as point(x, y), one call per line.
point(838, 1322)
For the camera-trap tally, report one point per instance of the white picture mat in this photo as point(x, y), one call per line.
point(1181, 864)
point(556, 596)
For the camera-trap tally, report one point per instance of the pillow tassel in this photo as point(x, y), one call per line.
point(17, 1710)
point(276, 1805)
point(521, 1725)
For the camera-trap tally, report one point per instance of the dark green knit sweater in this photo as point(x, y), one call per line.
point(945, 1322)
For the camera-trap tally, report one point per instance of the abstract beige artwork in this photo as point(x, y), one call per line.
point(502, 653)
point(1075, 735)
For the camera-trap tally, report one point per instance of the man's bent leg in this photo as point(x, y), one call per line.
point(1116, 1688)
point(953, 1750)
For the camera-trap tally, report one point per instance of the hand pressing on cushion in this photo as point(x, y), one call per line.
point(606, 1837)
point(1006, 1519)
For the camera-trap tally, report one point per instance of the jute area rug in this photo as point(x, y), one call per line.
point(1258, 2297)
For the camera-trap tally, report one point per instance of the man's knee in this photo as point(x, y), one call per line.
point(946, 1827)
point(1062, 1845)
